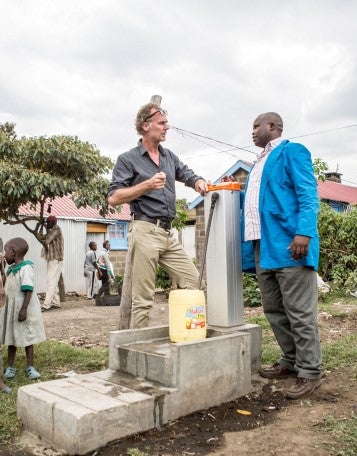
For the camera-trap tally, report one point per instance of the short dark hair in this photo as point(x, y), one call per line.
point(19, 245)
point(274, 117)
point(91, 244)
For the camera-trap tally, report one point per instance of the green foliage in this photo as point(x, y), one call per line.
point(38, 169)
point(9, 129)
point(118, 280)
point(118, 284)
point(338, 247)
point(181, 214)
point(251, 293)
point(320, 167)
point(163, 280)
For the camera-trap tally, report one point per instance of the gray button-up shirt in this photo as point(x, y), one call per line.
point(136, 166)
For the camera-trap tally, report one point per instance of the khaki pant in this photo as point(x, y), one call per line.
point(54, 269)
point(151, 245)
point(2, 293)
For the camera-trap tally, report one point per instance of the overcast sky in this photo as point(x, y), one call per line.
point(84, 67)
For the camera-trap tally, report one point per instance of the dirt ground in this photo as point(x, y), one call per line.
point(275, 426)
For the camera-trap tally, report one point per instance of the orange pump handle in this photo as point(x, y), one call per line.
point(224, 186)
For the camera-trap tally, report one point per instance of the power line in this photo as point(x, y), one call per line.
point(350, 182)
point(323, 131)
point(193, 136)
point(197, 137)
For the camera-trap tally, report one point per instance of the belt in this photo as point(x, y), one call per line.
point(165, 224)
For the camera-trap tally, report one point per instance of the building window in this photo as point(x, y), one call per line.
point(118, 236)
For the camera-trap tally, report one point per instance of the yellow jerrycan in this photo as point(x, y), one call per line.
point(187, 308)
point(187, 315)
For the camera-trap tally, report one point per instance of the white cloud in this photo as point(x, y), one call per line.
point(85, 68)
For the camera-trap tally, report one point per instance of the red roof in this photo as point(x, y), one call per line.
point(65, 208)
point(337, 192)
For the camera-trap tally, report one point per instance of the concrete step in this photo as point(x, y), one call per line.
point(150, 382)
point(82, 413)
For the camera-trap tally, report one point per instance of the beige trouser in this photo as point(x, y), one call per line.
point(54, 269)
point(2, 293)
point(92, 283)
point(151, 245)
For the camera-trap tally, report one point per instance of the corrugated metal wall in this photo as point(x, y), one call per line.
point(75, 248)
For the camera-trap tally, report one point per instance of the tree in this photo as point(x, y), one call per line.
point(36, 170)
point(320, 167)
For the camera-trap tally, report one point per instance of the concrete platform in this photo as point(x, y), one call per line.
point(82, 413)
point(150, 382)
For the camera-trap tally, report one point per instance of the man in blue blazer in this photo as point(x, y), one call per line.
point(281, 242)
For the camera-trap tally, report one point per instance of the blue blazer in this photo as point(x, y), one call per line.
point(288, 205)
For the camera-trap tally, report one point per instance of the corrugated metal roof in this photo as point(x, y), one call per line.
point(65, 208)
point(337, 192)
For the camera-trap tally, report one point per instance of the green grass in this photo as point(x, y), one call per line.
point(135, 452)
point(342, 352)
point(51, 359)
point(270, 349)
point(336, 354)
point(331, 310)
point(259, 320)
point(344, 434)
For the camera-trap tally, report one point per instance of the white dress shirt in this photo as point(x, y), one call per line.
point(251, 205)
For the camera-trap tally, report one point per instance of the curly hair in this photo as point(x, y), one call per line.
point(144, 113)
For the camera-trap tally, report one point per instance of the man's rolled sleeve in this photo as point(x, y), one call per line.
point(121, 177)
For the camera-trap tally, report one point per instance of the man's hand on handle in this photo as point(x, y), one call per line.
point(201, 187)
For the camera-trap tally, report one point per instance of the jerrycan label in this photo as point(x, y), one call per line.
point(195, 317)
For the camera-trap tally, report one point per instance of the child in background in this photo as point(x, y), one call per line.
point(21, 318)
point(4, 388)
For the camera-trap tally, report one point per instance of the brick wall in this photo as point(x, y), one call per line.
point(117, 257)
point(200, 234)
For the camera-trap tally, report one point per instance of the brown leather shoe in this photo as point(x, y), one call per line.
point(277, 371)
point(303, 387)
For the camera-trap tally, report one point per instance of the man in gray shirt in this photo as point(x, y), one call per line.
point(91, 270)
point(145, 177)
